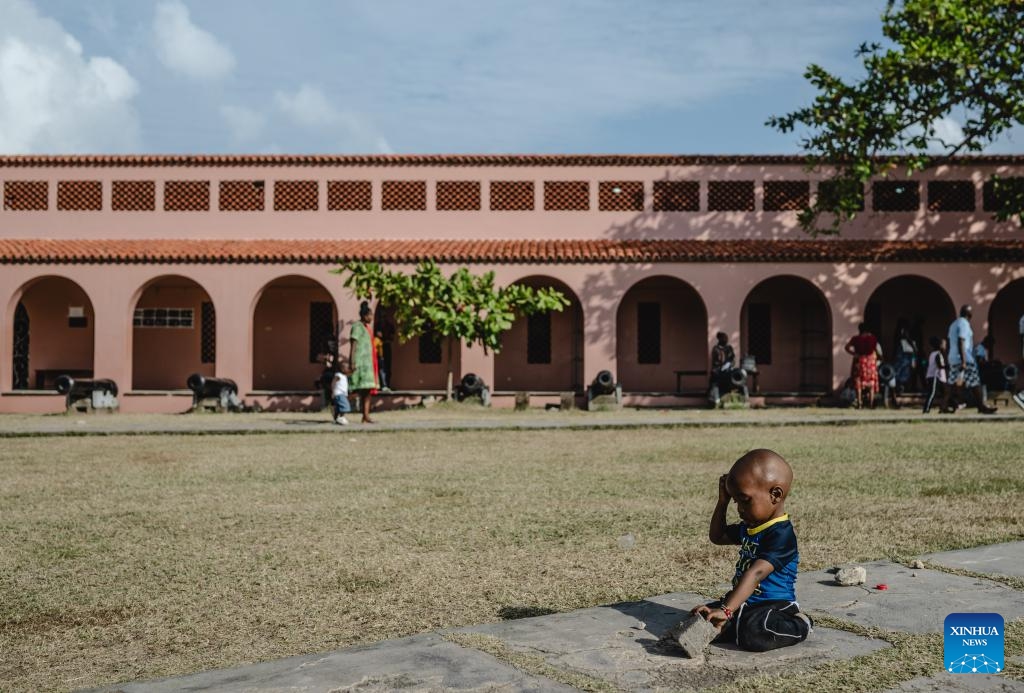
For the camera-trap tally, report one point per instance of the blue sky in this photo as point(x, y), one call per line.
point(445, 76)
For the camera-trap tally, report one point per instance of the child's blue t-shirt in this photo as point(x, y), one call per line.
point(775, 542)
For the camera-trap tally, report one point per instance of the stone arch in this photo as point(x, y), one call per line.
point(53, 330)
point(173, 333)
point(920, 301)
point(788, 320)
point(529, 361)
point(294, 324)
point(1004, 316)
point(661, 327)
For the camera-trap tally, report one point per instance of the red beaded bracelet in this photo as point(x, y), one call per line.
point(728, 612)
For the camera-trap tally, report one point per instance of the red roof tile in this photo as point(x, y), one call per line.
point(452, 160)
point(280, 251)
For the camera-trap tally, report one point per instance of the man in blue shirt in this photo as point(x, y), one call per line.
point(963, 368)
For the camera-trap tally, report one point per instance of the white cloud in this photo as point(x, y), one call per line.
point(52, 97)
point(184, 47)
point(245, 124)
point(309, 108)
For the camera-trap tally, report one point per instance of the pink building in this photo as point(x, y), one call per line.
point(145, 269)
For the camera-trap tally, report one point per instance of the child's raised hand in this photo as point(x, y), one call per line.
point(723, 492)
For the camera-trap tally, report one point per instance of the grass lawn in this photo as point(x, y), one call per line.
point(136, 557)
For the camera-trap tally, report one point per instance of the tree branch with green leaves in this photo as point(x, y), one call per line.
point(464, 306)
point(946, 56)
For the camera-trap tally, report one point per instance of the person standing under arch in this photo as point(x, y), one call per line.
point(362, 359)
point(863, 348)
point(963, 368)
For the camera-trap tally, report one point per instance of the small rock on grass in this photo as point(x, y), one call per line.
point(851, 575)
point(693, 634)
point(917, 564)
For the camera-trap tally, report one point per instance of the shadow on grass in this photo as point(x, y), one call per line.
point(516, 611)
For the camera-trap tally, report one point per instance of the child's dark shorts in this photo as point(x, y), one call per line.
point(766, 626)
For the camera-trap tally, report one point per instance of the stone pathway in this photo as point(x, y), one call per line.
point(467, 418)
point(613, 647)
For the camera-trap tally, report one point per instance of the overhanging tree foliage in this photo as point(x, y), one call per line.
point(962, 58)
point(464, 306)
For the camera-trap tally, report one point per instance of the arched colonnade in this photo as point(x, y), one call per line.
point(266, 326)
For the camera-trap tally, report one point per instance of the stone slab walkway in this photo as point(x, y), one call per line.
point(997, 559)
point(614, 647)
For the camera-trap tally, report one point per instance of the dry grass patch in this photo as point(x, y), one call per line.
point(127, 558)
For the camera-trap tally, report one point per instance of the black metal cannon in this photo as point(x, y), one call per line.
point(604, 392)
point(604, 384)
point(1011, 372)
point(473, 386)
point(87, 394)
point(205, 389)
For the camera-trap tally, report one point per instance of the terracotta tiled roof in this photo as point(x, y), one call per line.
point(280, 251)
point(453, 160)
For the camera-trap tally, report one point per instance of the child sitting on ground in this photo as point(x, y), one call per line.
point(760, 612)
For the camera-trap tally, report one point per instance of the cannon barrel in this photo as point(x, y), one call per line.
point(1011, 372)
point(203, 387)
point(84, 387)
point(886, 372)
point(604, 383)
point(471, 385)
point(737, 376)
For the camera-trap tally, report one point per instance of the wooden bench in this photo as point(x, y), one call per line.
point(681, 374)
point(51, 374)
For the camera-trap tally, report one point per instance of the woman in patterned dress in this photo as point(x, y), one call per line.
point(362, 360)
point(865, 363)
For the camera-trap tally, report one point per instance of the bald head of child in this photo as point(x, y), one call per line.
point(759, 483)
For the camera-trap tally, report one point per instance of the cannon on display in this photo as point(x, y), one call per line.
point(472, 386)
point(604, 392)
point(88, 394)
point(213, 394)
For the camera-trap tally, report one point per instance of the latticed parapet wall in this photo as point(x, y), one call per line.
point(563, 197)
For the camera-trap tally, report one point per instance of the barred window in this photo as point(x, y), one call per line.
point(538, 338)
point(786, 195)
point(676, 196)
point(896, 195)
point(648, 332)
point(430, 347)
point(164, 317)
point(999, 193)
point(208, 336)
point(620, 196)
point(950, 196)
point(321, 328)
point(829, 192)
point(731, 196)
point(759, 332)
